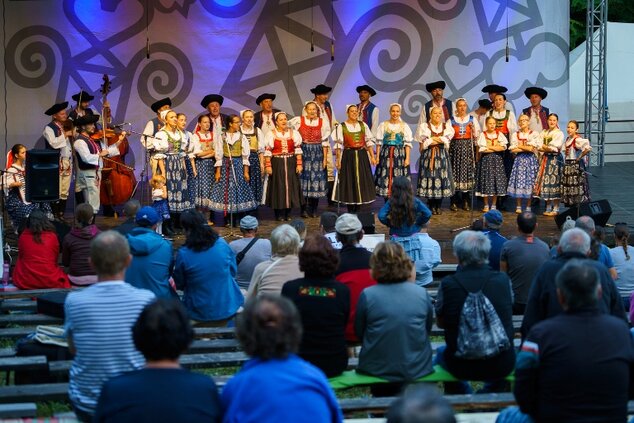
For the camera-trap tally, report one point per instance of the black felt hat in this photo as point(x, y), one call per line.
point(265, 96)
point(86, 119)
point(485, 103)
point(535, 90)
point(162, 102)
point(211, 98)
point(434, 85)
point(321, 89)
point(83, 96)
point(55, 108)
point(366, 88)
point(494, 88)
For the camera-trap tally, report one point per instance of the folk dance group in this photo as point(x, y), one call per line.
point(232, 164)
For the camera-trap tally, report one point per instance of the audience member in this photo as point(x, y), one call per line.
point(542, 301)
point(98, 324)
point(327, 227)
point(163, 391)
point(623, 263)
point(152, 258)
point(598, 250)
point(275, 385)
point(472, 250)
point(492, 221)
point(323, 305)
point(76, 247)
point(576, 366)
point(421, 404)
point(38, 255)
point(205, 270)
point(251, 248)
point(354, 264)
point(522, 257)
point(393, 321)
point(130, 210)
point(300, 227)
point(554, 241)
point(269, 276)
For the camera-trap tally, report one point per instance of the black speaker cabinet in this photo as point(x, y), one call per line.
point(600, 211)
point(42, 175)
point(367, 221)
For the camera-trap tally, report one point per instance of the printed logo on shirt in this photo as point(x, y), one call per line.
point(317, 291)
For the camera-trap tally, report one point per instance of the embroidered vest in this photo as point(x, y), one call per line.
point(447, 109)
point(366, 113)
point(206, 144)
point(231, 150)
point(310, 134)
point(543, 115)
point(158, 125)
point(501, 125)
point(462, 130)
point(283, 146)
point(393, 138)
point(173, 145)
point(354, 140)
point(93, 147)
point(56, 130)
point(254, 143)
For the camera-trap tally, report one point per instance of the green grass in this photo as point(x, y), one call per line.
point(50, 408)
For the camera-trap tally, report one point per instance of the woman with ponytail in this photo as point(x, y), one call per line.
point(623, 257)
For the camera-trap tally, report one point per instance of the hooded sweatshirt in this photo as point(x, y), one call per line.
point(76, 250)
point(152, 262)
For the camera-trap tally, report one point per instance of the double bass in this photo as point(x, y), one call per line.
point(117, 178)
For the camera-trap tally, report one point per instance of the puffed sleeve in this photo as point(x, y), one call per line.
point(482, 142)
point(295, 123)
point(424, 135)
point(380, 133)
point(369, 136)
point(502, 139)
point(196, 148)
point(447, 134)
point(218, 148)
point(297, 141)
point(512, 123)
point(557, 141)
point(260, 136)
point(267, 144)
point(476, 128)
point(191, 144)
point(584, 144)
point(160, 142)
point(325, 133)
point(407, 135)
point(148, 134)
point(246, 149)
point(514, 141)
point(337, 137)
point(535, 140)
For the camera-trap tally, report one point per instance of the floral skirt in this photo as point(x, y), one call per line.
point(391, 165)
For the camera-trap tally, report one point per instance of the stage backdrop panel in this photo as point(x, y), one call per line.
point(241, 49)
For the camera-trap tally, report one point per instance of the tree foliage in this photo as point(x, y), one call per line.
point(618, 11)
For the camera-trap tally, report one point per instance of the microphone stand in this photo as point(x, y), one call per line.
point(143, 177)
point(231, 233)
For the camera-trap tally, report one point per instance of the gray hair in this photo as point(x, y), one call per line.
point(578, 281)
point(471, 247)
point(586, 223)
point(109, 252)
point(574, 240)
point(421, 403)
point(284, 241)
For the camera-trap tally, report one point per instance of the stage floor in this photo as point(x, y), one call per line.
point(614, 182)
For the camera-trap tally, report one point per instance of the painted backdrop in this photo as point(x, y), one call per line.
point(241, 48)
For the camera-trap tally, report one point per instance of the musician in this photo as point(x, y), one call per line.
point(322, 92)
point(58, 138)
point(437, 91)
point(151, 129)
point(89, 155)
point(212, 103)
point(265, 119)
point(368, 112)
point(17, 206)
point(537, 114)
point(82, 100)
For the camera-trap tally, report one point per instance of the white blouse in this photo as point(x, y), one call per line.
point(230, 138)
point(531, 138)
point(512, 122)
point(475, 131)
point(556, 139)
point(259, 134)
point(575, 146)
point(424, 133)
point(352, 127)
point(485, 140)
point(296, 122)
point(269, 140)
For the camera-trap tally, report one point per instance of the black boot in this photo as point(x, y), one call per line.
point(167, 228)
point(304, 213)
point(454, 201)
point(61, 210)
point(287, 215)
point(466, 201)
point(278, 215)
point(79, 197)
point(438, 206)
point(313, 204)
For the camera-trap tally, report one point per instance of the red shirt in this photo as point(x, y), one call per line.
point(37, 266)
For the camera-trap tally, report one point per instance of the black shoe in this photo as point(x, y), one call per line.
point(453, 207)
point(167, 231)
point(304, 213)
point(466, 206)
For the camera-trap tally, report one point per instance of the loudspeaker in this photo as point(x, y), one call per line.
point(367, 221)
point(600, 211)
point(42, 175)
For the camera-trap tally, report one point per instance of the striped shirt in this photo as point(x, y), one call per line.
point(99, 319)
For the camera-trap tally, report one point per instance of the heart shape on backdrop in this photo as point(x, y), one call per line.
point(462, 73)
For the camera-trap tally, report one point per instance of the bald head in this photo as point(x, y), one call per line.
point(585, 223)
point(109, 253)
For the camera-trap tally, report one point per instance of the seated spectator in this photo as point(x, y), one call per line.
point(271, 275)
point(98, 324)
point(354, 264)
point(623, 262)
point(542, 301)
point(163, 390)
point(492, 223)
point(259, 250)
point(393, 321)
point(327, 227)
point(598, 250)
point(275, 385)
point(568, 224)
point(300, 227)
point(152, 258)
point(38, 255)
point(130, 210)
point(472, 249)
point(205, 270)
point(421, 404)
point(408, 219)
point(76, 247)
point(522, 257)
point(576, 366)
point(323, 305)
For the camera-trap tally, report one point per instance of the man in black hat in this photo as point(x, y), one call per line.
point(322, 92)
point(368, 112)
point(264, 119)
point(82, 100)
point(538, 114)
point(494, 89)
point(152, 127)
point(89, 154)
point(437, 89)
point(484, 105)
point(212, 103)
point(58, 138)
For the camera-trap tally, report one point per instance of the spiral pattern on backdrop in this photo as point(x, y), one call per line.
point(169, 73)
point(443, 10)
point(33, 54)
point(395, 57)
point(234, 11)
point(413, 99)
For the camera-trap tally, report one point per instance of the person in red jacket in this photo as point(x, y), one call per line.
point(38, 254)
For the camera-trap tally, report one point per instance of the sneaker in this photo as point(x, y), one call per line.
point(555, 211)
point(485, 209)
point(494, 207)
point(528, 208)
point(518, 210)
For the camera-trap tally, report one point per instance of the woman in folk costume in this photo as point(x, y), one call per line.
point(491, 180)
point(190, 159)
point(256, 153)
point(231, 193)
point(315, 149)
point(354, 153)
point(171, 142)
point(435, 179)
point(524, 144)
point(393, 144)
point(466, 131)
point(548, 182)
point(574, 182)
point(205, 159)
point(283, 165)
